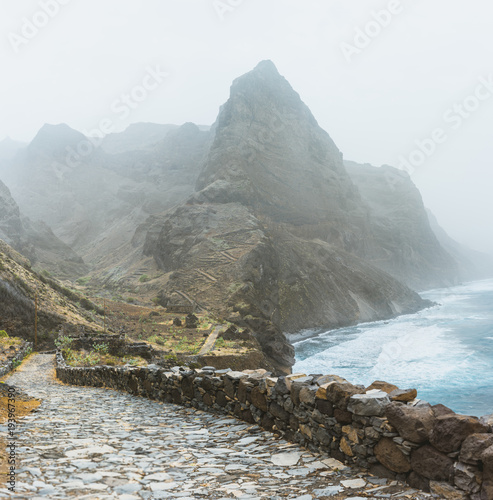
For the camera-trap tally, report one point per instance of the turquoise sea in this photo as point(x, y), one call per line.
point(446, 352)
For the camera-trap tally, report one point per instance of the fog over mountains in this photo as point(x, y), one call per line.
point(257, 218)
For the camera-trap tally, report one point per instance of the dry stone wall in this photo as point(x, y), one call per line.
point(381, 428)
point(14, 354)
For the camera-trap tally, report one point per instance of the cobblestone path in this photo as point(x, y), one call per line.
point(90, 443)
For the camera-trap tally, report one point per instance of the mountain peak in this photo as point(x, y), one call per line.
point(55, 138)
point(266, 66)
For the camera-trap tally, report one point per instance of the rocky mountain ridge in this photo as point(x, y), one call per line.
point(36, 240)
point(258, 219)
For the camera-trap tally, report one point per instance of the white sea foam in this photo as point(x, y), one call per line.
point(441, 351)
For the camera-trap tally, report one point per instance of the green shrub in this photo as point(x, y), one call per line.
point(101, 348)
point(64, 342)
point(144, 278)
point(4, 334)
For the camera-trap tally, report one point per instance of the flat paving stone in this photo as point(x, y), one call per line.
point(96, 443)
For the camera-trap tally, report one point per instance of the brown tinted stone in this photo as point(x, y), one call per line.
point(307, 395)
point(295, 392)
point(187, 387)
point(412, 423)
point(244, 388)
point(404, 395)
point(446, 491)
point(229, 388)
point(382, 386)
point(390, 456)
point(473, 447)
point(176, 395)
point(432, 464)
point(339, 393)
point(267, 422)
point(450, 431)
point(221, 399)
point(381, 471)
point(418, 482)
point(346, 447)
point(342, 416)
point(325, 407)
point(440, 410)
point(258, 399)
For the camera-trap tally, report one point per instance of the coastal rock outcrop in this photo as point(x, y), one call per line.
point(270, 238)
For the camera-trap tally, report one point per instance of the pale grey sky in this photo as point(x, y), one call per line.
point(387, 79)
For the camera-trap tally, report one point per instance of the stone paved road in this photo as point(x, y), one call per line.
point(90, 443)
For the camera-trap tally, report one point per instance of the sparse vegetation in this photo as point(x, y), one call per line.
point(63, 342)
point(101, 348)
point(144, 278)
point(83, 281)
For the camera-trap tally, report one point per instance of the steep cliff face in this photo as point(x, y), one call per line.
point(402, 242)
point(270, 154)
point(266, 239)
point(36, 241)
point(473, 265)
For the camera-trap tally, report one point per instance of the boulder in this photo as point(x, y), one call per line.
point(404, 395)
point(297, 376)
point(440, 410)
point(450, 431)
point(191, 321)
point(338, 393)
point(295, 392)
point(370, 404)
point(412, 423)
point(282, 387)
point(389, 455)
point(432, 464)
point(308, 394)
point(379, 385)
point(258, 399)
point(473, 447)
point(326, 379)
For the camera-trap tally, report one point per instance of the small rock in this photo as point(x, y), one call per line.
point(354, 483)
point(286, 459)
point(382, 386)
point(444, 490)
point(372, 403)
point(404, 395)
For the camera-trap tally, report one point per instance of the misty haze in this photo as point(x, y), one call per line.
point(270, 221)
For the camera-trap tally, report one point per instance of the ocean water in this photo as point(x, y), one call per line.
point(445, 352)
